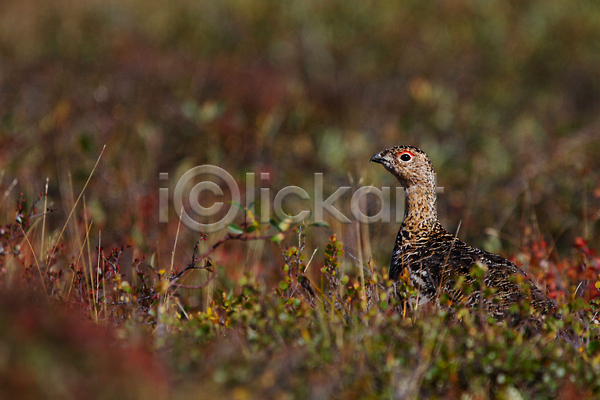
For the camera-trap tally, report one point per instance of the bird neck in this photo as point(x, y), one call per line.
point(420, 208)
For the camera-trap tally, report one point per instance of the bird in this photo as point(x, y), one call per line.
point(437, 261)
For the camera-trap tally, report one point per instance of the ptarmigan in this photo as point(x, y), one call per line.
point(435, 257)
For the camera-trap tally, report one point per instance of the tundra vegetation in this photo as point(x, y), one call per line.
point(100, 299)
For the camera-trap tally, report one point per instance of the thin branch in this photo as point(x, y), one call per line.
point(195, 259)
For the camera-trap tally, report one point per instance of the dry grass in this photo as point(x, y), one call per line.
point(98, 98)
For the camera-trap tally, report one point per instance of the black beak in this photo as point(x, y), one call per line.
point(378, 159)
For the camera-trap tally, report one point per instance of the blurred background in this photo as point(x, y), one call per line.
point(504, 96)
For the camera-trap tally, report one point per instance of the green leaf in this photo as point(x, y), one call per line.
point(252, 228)
point(125, 287)
point(284, 225)
point(238, 205)
point(235, 229)
point(274, 224)
point(278, 238)
point(593, 346)
point(319, 224)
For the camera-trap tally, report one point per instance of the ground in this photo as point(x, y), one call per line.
point(104, 106)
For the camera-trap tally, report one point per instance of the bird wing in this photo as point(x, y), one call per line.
point(455, 258)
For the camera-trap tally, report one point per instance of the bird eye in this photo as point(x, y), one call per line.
point(405, 157)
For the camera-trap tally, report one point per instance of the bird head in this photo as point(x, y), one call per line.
point(408, 164)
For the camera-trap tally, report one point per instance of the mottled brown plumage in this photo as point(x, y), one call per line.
point(436, 258)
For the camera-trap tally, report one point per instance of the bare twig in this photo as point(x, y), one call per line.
point(195, 259)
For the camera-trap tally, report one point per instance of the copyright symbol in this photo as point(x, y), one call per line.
point(194, 196)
